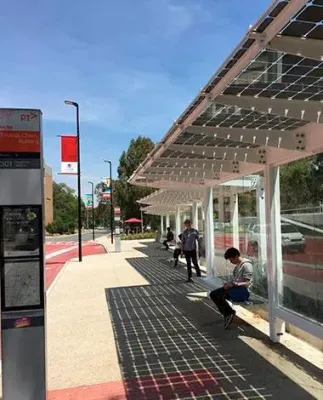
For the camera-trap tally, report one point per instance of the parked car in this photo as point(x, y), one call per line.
point(292, 239)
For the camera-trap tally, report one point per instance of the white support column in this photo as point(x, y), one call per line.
point(209, 232)
point(261, 220)
point(195, 216)
point(274, 251)
point(167, 221)
point(178, 225)
point(162, 228)
point(235, 219)
point(184, 217)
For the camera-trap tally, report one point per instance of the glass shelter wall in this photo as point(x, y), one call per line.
point(239, 221)
point(301, 198)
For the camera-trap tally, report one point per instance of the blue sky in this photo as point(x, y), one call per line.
point(133, 66)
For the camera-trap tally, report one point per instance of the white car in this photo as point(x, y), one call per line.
point(292, 239)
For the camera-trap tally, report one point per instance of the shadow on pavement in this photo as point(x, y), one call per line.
point(173, 346)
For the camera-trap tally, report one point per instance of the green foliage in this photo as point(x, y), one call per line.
point(247, 204)
point(50, 229)
point(296, 182)
point(130, 160)
point(139, 236)
point(65, 209)
point(126, 195)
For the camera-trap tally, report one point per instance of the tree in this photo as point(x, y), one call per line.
point(316, 173)
point(295, 183)
point(65, 209)
point(126, 195)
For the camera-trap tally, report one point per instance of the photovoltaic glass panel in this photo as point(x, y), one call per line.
point(219, 115)
point(308, 22)
point(188, 138)
point(281, 76)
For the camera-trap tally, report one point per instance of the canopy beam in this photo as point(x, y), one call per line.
point(197, 164)
point(298, 46)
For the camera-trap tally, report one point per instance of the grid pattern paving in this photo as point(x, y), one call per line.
point(168, 348)
point(165, 356)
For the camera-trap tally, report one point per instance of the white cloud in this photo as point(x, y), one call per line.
point(170, 19)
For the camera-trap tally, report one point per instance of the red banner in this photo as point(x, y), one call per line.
point(69, 155)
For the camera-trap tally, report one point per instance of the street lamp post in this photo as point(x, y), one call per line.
point(111, 200)
point(93, 220)
point(79, 203)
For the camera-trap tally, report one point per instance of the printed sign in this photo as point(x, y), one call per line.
point(22, 283)
point(21, 231)
point(19, 141)
point(88, 202)
point(117, 211)
point(69, 156)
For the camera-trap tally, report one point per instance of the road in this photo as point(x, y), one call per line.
point(86, 236)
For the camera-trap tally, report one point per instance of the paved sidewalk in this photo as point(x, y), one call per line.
point(127, 326)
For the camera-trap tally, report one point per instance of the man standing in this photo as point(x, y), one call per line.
point(190, 239)
point(169, 238)
point(237, 290)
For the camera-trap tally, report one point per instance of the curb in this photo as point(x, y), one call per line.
point(56, 279)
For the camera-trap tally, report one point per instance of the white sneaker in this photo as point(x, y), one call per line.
point(229, 319)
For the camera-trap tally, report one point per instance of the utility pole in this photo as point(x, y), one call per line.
point(111, 202)
point(79, 194)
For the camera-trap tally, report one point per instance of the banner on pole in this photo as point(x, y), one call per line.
point(106, 188)
point(69, 155)
point(117, 211)
point(88, 202)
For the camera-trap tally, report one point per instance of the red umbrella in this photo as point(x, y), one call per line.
point(133, 221)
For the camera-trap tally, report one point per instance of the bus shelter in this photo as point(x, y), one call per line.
point(260, 111)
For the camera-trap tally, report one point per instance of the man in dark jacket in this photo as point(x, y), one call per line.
point(190, 245)
point(169, 238)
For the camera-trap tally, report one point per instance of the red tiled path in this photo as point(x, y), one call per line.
point(55, 264)
point(105, 391)
point(163, 386)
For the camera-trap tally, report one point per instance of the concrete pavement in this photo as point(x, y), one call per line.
point(81, 349)
point(125, 325)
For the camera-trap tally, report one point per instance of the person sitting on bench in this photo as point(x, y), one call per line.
point(178, 250)
point(237, 290)
point(169, 238)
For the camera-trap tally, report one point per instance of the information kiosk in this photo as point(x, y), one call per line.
point(22, 255)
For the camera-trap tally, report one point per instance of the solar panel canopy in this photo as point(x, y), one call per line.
point(262, 107)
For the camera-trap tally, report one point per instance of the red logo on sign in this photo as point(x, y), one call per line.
point(28, 117)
